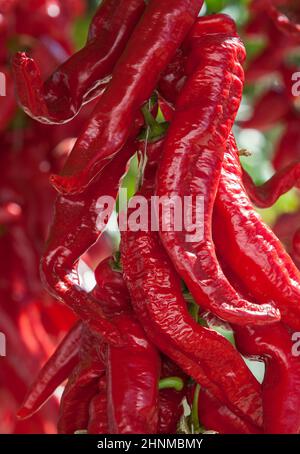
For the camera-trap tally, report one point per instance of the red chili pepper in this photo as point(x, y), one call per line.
point(83, 76)
point(282, 376)
point(266, 194)
point(133, 81)
point(55, 371)
point(170, 400)
point(7, 95)
point(288, 149)
point(193, 170)
point(73, 232)
point(158, 302)
point(287, 19)
point(98, 422)
point(82, 385)
point(216, 416)
point(273, 107)
point(133, 375)
point(268, 272)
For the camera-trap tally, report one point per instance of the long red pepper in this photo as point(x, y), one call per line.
point(133, 82)
point(191, 166)
point(133, 369)
point(158, 302)
point(84, 74)
point(55, 371)
point(217, 416)
point(269, 109)
point(73, 232)
point(282, 376)
point(266, 194)
point(82, 386)
point(268, 271)
point(132, 376)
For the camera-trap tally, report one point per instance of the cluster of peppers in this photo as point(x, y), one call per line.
point(145, 341)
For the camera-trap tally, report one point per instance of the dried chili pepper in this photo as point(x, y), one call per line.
point(55, 371)
point(133, 81)
point(282, 376)
point(158, 302)
point(266, 194)
point(84, 75)
point(73, 232)
point(273, 107)
point(268, 272)
point(191, 166)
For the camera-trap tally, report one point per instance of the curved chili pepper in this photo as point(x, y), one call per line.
point(55, 371)
point(288, 21)
point(191, 166)
point(266, 194)
point(158, 302)
point(288, 149)
point(83, 76)
point(268, 271)
point(133, 81)
point(215, 415)
point(132, 369)
point(282, 376)
point(73, 232)
point(273, 107)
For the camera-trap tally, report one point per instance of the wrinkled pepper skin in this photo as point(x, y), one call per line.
point(282, 377)
point(132, 379)
point(98, 422)
point(84, 75)
point(216, 416)
point(192, 162)
point(133, 81)
point(73, 232)
point(54, 372)
point(268, 271)
point(157, 299)
point(266, 194)
point(81, 387)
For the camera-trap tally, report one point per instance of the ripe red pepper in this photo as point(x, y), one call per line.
point(191, 166)
point(84, 75)
point(158, 302)
point(266, 194)
point(133, 82)
point(98, 421)
point(268, 272)
point(73, 232)
point(81, 388)
point(270, 109)
point(282, 377)
point(55, 371)
point(216, 416)
point(288, 148)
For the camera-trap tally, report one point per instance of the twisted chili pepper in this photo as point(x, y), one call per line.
point(268, 271)
point(84, 75)
point(268, 193)
point(133, 82)
point(73, 232)
point(158, 302)
point(191, 165)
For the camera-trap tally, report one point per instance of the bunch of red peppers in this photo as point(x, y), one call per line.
point(143, 349)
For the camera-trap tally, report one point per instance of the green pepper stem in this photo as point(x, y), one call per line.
point(195, 411)
point(171, 383)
